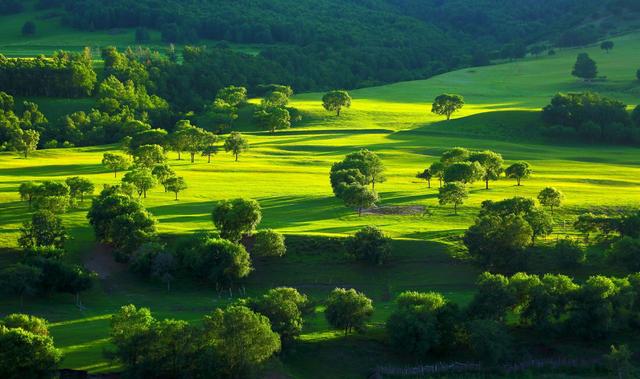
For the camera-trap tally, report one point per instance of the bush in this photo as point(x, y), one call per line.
point(269, 243)
point(370, 245)
point(489, 341)
point(348, 310)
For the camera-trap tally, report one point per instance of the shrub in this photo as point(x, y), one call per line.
point(269, 243)
point(370, 245)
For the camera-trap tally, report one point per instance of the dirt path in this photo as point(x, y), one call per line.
point(101, 262)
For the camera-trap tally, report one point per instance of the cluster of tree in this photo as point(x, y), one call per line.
point(351, 177)
point(504, 230)
point(220, 114)
point(10, 7)
point(592, 118)
point(229, 343)
point(27, 348)
point(55, 197)
point(458, 167)
point(20, 133)
point(552, 305)
point(64, 74)
point(121, 221)
point(397, 40)
point(273, 113)
point(41, 271)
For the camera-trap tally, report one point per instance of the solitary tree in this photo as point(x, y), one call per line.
point(426, 175)
point(585, 67)
point(452, 193)
point(236, 143)
point(149, 155)
point(348, 310)
point(176, 184)
point(79, 187)
point(242, 339)
point(371, 245)
point(358, 196)
point(491, 162)
point(273, 118)
point(518, 171)
point(550, 197)
point(162, 172)
point(447, 104)
point(607, 46)
point(27, 191)
point(116, 162)
point(237, 217)
point(334, 101)
point(45, 229)
point(25, 141)
point(142, 179)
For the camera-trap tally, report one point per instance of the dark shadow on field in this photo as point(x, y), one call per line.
point(55, 170)
point(13, 212)
point(278, 212)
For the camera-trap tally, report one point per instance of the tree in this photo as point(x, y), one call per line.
point(176, 184)
point(163, 267)
point(116, 162)
point(334, 101)
point(455, 155)
point(79, 187)
point(607, 46)
point(464, 172)
point(26, 322)
point(619, 361)
point(163, 172)
point(541, 223)
point(425, 175)
point(25, 354)
point(625, 252)
point(208, 151)
point(130, 333)
point(493, 299)
point(348, 310)
point(237, 217)
point(236, 143)
point(232, 95)
point(371, 245)
point(269, 243)
point(437, 170)
point(147, 156)
point(195, 139)
point(447, 104)
point(497, 241)
point(215, 260)
point(20, 279)
point(363, 167)
point(359, 197)
point(142, 179)
point(420, 323)
point(518, 171)
point(284, 307)
point(273, 118)
point(43, 230)
point(550, 197)
point(241, 338)
point(489, 341)
point(585, 67)
point(453, 193)
point(27, 191)
point(491, 162)
point(29, 28)
point(25, 141)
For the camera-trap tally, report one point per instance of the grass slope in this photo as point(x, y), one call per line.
point(288, 173)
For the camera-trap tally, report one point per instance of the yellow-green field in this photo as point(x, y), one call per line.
point(288, 174)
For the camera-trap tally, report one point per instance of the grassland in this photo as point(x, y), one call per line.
point(288, 174)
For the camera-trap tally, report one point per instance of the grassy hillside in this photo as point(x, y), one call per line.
point(288, 174)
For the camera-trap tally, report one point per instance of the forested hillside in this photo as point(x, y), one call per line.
point(331, 43)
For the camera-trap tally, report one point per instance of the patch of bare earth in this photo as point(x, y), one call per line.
point(398, 210)
point(102, 262)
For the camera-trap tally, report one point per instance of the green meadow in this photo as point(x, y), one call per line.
point(287, 172)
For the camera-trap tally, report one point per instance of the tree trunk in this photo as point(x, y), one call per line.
point(359, 211)
point(428, 183)
point(373, 184)
point(440, 179)
point(518, 180)
point(176, 196)
point(193, 155)
point(179, 157)
point(338, 112)
point(144, 193)
point(209, 158)
point(448, 116)
point(486, 184)
point(455, 208)
point(236, 157)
